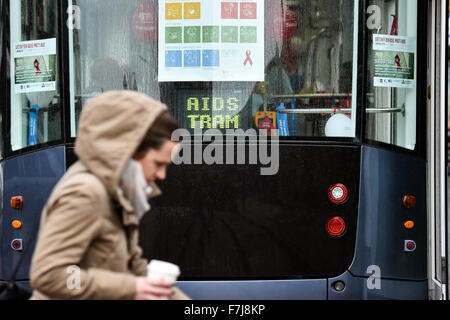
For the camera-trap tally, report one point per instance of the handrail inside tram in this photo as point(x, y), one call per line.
point(346, 110)
point(313, 95)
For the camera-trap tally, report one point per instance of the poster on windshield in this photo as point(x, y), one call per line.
point(35, 65)
point(211, 40)
point(394, 61)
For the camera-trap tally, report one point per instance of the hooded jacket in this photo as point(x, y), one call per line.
point(87, 246)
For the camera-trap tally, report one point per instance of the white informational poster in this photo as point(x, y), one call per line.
point(394, 61)
point(211, 40)
point(34, 65)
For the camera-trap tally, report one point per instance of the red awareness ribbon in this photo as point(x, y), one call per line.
point(397, 61)
point(36, 65)
point(248, 59)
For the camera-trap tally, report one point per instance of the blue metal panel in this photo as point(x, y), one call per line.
point(357, 289)
point(32, 176)
point(385, 178)
point(256, 290)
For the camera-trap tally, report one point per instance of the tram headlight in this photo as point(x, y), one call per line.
point(338, 193)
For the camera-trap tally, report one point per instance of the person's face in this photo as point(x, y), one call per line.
point(154, 163)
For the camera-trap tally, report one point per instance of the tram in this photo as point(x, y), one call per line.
point(354, 93)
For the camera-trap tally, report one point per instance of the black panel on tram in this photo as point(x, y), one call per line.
point(228, 221)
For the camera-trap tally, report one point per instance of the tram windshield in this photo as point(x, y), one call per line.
point(286, 65)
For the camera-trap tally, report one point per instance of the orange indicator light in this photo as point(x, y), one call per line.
point(17, 224)
point(409, 224)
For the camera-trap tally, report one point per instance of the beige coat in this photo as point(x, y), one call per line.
point(86, 227)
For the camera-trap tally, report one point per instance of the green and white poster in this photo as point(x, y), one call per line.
point(35, 66)
point(394, 61)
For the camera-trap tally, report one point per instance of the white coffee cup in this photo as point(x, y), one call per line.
point(158, 269)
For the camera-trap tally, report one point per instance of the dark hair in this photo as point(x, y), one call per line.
point(160, 131)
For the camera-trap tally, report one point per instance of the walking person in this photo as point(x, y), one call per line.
point(89, 225)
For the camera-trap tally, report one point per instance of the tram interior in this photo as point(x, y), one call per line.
point(309, 52)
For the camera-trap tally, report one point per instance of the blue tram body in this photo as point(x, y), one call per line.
point(332, 222)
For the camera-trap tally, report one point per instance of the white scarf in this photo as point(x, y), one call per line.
point(133, 184)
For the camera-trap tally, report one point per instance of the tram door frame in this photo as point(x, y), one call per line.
point(3, 77)
point(437, 29)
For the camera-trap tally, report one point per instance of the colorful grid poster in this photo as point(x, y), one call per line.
point(211, 40)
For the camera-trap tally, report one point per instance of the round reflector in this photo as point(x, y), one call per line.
point(335, 226)
point(338, 193)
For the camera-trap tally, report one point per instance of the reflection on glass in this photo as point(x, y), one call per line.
point(308, 68)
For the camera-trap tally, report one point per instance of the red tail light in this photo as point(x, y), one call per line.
point(409, 202)
point(335, 226)
point(17, 202)
point(338, 193)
